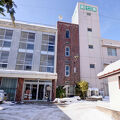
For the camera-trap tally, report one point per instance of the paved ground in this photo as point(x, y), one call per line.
point(75, 111)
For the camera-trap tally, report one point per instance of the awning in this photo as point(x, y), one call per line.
point(27, 74)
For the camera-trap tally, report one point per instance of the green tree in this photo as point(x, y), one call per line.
point(81, 89)
point(8, 5)
point(60, 92)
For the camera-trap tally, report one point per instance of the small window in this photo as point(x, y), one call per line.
point(112, 51)
point(92, 65)
point(8, 34)
point(67, 51)
point(51, 48)
point(30, 46)
point(31, 37)
point(89, 29)
point(3, 65)
point(89, 14)
point(27, 67)
point(90, 46)
point(67, 70)
point(6, 44)
point(67, 34)
point(75, 70)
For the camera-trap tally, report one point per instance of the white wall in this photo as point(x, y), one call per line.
point(114, 90)
point(89, 56)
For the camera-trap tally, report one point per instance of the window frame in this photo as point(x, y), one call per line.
point(67, 30)
point(90, 47)
point(67, 51)
point(110, 53)
point(88, 14)
point(89, 29)
point(67, 70)
point(92, 66)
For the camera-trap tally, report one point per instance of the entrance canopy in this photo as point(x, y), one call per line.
point(27, 74)
point(111, 69)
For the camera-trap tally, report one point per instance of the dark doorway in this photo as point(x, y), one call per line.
point(34, 92)
point(40, 92)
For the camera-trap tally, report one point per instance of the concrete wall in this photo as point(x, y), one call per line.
point(89, 56)
point(111, 44)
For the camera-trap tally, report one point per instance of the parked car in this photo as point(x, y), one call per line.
point(1, 96)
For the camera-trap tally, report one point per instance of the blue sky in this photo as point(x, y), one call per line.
point(47, 12)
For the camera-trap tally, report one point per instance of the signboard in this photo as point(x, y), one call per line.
point(88, 8)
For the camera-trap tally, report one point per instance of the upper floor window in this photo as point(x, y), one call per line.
point(89, 14)
point(6, 34)
point(27, 40)
point(67, 51)
point(5, 37)
point(89, 29)
point(24, 61)
point(48, 43)
point(112, 51)
point(4, 59)
point(90, 46)
point(67, 70)
point(67, 34)
point(46, 63)
point(92, 65)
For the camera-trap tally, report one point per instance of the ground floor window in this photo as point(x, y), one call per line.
point(37, 90)
point(9, 85)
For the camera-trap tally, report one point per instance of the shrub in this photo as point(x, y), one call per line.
point(81, 89)
point(60, 92)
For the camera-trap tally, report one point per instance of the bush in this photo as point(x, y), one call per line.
point(81, 89)
point(60, 92)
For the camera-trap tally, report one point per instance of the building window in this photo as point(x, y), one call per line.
point(5, 37)
point(27, 40)
point(89, 14)
point(112, 51)
point(67, 70)
point(30, 46)
point(67, 34)
point(4, 59)
point(46, 63)
point(6, 44)
point(24, 61)
point(67, 51)
point(92, 65)
point(47, 58)
point(48, 43)
point(90, 46)
point(89, 29)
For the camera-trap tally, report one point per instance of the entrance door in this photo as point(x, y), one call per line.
point(33, 91)
point(40, 92)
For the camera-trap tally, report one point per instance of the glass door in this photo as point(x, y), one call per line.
point(40, 92)
point(33, 92)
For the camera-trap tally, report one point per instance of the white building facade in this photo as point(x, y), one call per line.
point(95, 52)
point(28, 61)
